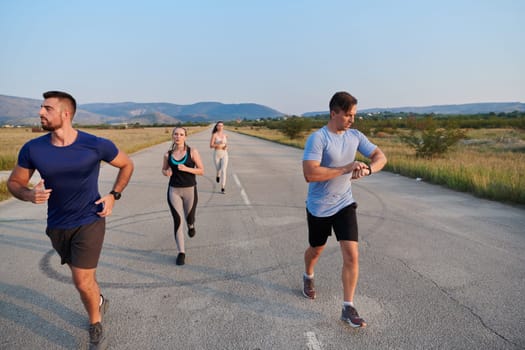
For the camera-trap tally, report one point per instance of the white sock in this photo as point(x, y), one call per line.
point(348, 303)
point(309, 276)
point(101, 300)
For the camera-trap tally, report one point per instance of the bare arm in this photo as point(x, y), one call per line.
point(314, 172)
point(377, 162)
point(125, 165)
point(166, 170)
point(18, 183)
point(212, 142)
point(221, 145)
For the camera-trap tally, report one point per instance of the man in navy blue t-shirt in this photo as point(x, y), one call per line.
point(68, 161)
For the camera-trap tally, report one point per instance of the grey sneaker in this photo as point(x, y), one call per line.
point(103, 308)
point(350, 316)
point(97, 338)
point(308, 287)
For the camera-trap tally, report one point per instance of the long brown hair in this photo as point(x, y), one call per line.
point(215, 127)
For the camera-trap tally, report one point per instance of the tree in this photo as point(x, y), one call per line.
point(294, 126)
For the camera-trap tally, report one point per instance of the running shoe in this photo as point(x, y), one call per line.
point(350, 316)
point(97, 338)
point(222, 190)
point(191, 231)
point(308, 287)
point(180, 259)
point(217, 179)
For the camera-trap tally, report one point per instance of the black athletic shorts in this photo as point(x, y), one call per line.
point(79, 246)
point(343, 222)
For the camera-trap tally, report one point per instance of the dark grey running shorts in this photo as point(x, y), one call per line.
point(344, 223)
point(79, 246)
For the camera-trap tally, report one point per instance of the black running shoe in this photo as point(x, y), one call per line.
point(350, 316)
point(191, 231)
point(180, 259)
point(217, 179)
point(97, 338)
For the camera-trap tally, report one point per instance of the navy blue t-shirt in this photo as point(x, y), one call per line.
point(71, 172)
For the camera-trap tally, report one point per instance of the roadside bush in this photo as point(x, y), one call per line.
point(430, 141)
point(294, 126)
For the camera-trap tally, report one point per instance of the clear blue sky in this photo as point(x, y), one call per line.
point(291, 55)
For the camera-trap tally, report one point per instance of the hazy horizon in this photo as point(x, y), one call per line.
point(290, 56)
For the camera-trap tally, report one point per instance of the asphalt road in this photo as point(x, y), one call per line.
point(439, 269)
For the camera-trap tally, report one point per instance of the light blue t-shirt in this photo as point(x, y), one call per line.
point(326, 198)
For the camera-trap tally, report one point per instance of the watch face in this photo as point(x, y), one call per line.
point(117, 195)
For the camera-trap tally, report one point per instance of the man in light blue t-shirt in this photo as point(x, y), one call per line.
point(329, 166)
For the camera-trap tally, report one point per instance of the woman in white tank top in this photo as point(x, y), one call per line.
point(219, 143)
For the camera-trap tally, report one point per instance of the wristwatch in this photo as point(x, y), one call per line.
point(116, 195)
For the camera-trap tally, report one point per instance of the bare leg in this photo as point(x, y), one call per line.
point(311, 257)
point(86, 284)
point(350, 271)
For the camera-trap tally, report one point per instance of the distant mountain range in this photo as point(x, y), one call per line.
point(24, 111)
point(468, 108)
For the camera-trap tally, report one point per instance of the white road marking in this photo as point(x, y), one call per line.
point(243, 192)
point(312, 342)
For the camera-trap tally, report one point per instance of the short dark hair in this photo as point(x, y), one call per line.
point(342, 101)
point(62, 96)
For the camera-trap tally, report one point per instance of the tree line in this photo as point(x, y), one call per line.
point(430, 135)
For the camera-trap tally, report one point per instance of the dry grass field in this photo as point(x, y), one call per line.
point(129, 140)
point(489, 163)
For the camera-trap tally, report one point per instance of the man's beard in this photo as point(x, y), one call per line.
point(49, 127)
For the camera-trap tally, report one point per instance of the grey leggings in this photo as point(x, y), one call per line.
point(183, 203)
point(220, 158)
